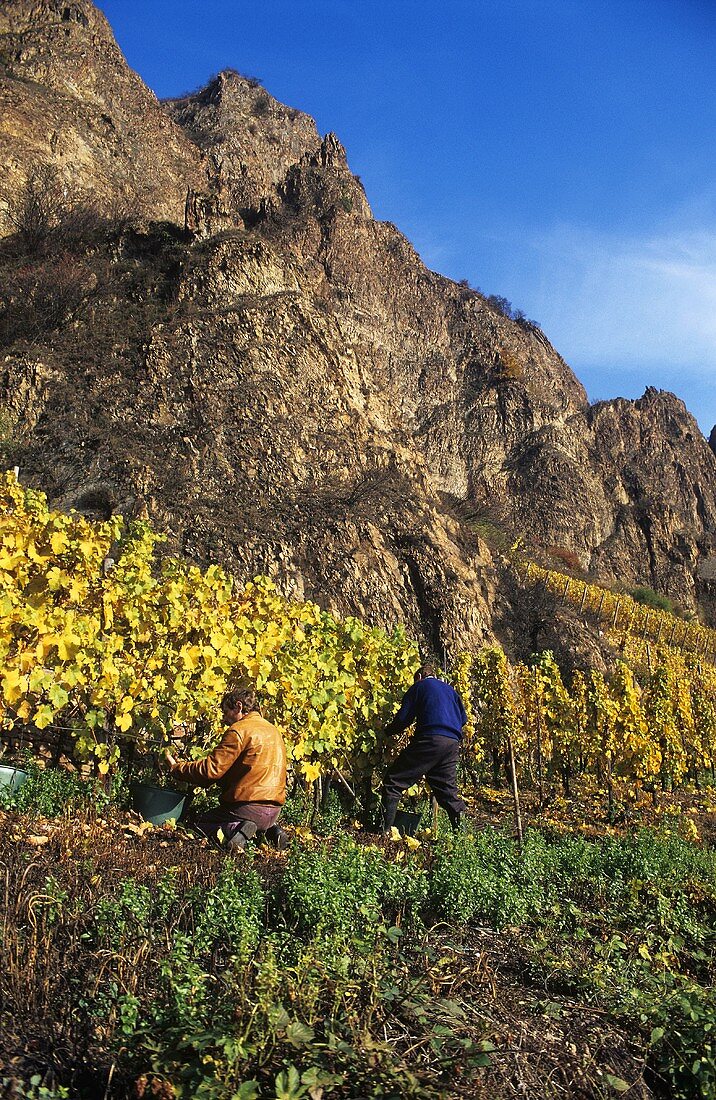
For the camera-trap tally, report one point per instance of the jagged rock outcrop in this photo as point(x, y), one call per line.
point(69, 99)
point(249, 140)
point(280, 382)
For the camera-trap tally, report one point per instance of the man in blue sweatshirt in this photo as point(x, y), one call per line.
point(438, 713)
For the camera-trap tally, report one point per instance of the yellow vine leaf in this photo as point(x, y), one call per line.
point(43, 716)
point(11, 686)
point(68, 647)
point(59, 542)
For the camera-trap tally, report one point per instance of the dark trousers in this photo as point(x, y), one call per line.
point(229, 819)
point(436, 759)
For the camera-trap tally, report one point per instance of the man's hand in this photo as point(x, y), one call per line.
point(169, 759)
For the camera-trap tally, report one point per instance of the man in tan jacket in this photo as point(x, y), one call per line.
point(249, 766)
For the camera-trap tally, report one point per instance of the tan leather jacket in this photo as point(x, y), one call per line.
point(249, 764)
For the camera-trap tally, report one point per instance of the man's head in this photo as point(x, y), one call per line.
point(424, 671)
point(238, 702)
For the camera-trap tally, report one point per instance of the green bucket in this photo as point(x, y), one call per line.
point(156, 804)
point(11, 777)
point(407, 823)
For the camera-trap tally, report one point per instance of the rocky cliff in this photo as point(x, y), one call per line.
point(209, 327)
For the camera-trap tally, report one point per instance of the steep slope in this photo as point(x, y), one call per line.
point(69, 99)
point(280, 381)
point(499, 418)
point(250, 141)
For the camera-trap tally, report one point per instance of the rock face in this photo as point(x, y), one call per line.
point(68, 98)
point(250, 142)
point(277, 379)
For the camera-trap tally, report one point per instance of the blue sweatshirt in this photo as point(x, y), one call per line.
point(434, 706)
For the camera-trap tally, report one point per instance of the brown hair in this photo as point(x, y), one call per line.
point(425, 670)
point(246, 696)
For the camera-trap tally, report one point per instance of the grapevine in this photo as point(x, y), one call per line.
point(105, 638)
point(125, 654)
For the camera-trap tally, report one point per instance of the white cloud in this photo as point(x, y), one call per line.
point(624, 301)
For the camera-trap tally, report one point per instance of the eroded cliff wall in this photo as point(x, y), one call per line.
point(239, 350)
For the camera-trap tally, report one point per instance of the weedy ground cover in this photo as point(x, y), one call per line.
point(139, 963)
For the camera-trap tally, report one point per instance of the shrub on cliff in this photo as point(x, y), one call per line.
point(647, 596)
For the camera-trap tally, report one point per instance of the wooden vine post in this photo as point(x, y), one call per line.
point(538, 717)
point(316, 799)
point(515, 795)
point(585, 592)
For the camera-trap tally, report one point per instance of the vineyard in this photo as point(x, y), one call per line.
point(144, 963)
point(110, 643)
point(620, 612)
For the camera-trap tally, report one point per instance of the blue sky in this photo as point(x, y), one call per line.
point(557, 152)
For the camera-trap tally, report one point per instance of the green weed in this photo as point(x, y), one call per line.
point(49, 792)
point(345, 888)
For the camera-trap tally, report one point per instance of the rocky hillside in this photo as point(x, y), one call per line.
point(208, 326)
